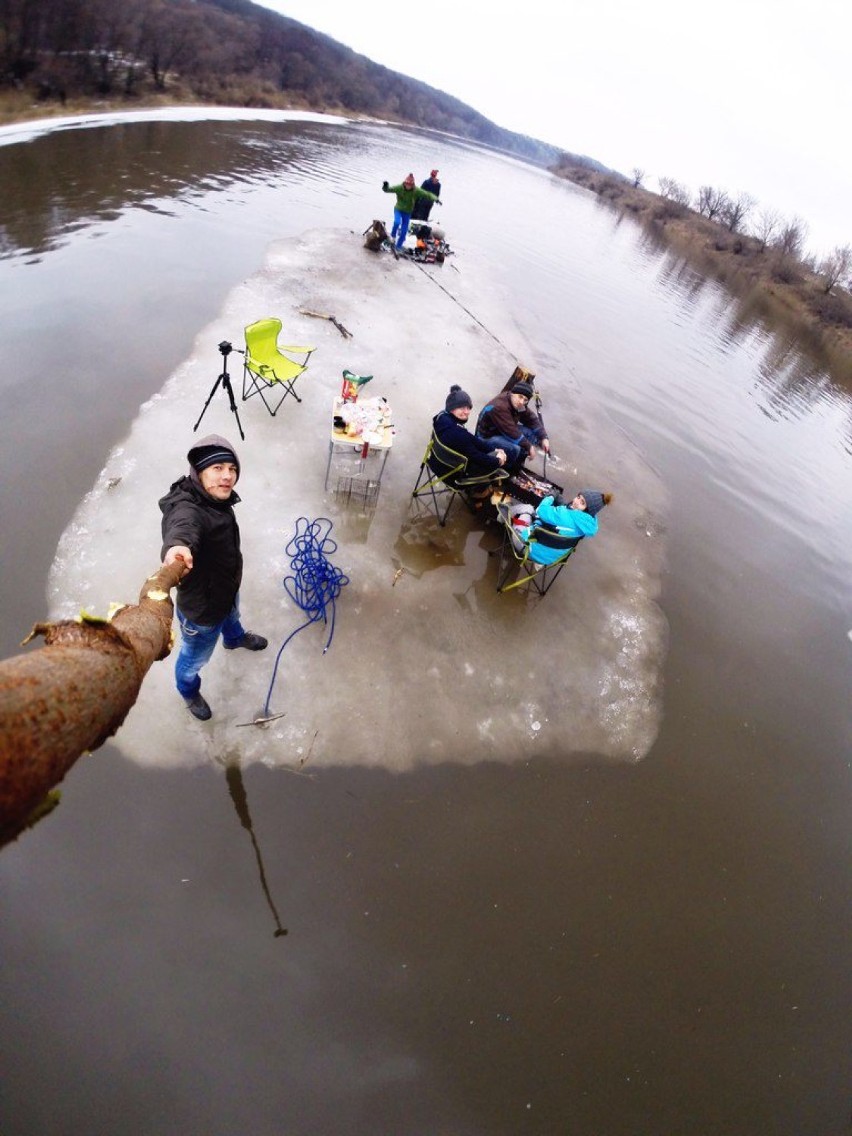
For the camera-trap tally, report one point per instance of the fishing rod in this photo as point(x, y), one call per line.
point(488, 331)
point(541, 420)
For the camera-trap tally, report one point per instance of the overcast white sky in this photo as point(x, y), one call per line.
point(745, 95)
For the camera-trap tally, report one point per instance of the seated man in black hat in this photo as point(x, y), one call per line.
point(510, 422)
point(451, 429)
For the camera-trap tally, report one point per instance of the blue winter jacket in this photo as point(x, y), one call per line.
point(569, 522)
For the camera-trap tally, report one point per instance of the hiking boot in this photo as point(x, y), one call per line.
point(250, 641)
point(198, 708)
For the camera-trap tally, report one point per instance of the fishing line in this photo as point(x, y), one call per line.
point(467, 311)
point(487, 331)
point(315, 583)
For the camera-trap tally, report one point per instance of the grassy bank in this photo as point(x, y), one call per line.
point(21, 106)
point(776, 286)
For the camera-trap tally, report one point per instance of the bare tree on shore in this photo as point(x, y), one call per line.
point(711, 201)
point(767, 225)
point(791, 238)
point(836, 268)
point(638, 176)
point(674, 190)
point(735, 210)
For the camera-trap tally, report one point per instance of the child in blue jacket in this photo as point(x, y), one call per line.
point(576, 518)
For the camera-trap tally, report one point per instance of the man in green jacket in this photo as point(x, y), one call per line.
point(406, 195)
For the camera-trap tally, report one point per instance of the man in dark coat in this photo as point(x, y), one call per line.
point(423, 206)
point(199, 528)
point(482, 457)
point(509, 421)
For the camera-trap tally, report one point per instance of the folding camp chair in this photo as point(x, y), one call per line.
point(267, 370)
point(443, 473)
point(517, 555)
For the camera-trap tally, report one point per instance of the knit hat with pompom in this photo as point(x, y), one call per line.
point(456, 398)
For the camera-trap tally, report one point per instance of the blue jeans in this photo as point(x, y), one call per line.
point(198, 644)
point(514, 452)
point(400, 222)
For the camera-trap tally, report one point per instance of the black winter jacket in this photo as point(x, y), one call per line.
point(480, 455)
point(209, 529)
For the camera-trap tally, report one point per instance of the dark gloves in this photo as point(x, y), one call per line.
point(385, 186)
point(558, 499)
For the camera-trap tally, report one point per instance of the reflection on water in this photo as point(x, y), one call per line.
point(676, 273)
point(143, 165)
point(747, 310)
point(792, 385)
point(793, 374)
point(422, 545)
point(236, 788)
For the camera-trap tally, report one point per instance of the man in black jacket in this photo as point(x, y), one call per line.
point(199, 527)
point(423, 206)
point(450, 428)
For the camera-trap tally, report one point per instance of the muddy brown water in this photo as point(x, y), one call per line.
point(589, 946)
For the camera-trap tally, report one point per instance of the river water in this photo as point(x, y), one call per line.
point(647, 941)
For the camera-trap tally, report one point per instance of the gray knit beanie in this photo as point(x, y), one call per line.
point(210, 451)
point(594, 501)
point(456, 398)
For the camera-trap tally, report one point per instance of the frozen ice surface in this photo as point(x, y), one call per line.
point(428, 664)
point(26, 131)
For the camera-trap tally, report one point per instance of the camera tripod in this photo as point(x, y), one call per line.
point(225, 380)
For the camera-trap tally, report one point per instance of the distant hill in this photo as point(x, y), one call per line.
point(228, 53)
point(329, 76)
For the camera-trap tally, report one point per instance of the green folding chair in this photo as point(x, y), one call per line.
point(268, 371)
point(443, 474)
point(518, 566)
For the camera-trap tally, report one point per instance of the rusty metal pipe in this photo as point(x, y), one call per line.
point(71, 695)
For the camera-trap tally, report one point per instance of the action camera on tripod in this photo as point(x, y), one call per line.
point(225, 379)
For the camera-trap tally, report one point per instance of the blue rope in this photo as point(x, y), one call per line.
point(315, 583)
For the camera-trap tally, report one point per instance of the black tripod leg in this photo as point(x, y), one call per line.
point(225, 380)
point(207, 403)
point(230, 390)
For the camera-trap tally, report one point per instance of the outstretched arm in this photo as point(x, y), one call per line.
point(183, 530)
point(178, 552)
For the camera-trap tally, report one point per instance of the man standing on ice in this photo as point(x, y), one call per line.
point(199, 528)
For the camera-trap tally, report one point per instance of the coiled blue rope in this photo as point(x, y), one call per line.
point(315, 583)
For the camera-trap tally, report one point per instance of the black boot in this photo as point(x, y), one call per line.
point(198, 708)
point(250, 641)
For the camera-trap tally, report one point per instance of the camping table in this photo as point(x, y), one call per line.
point(379, 441)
